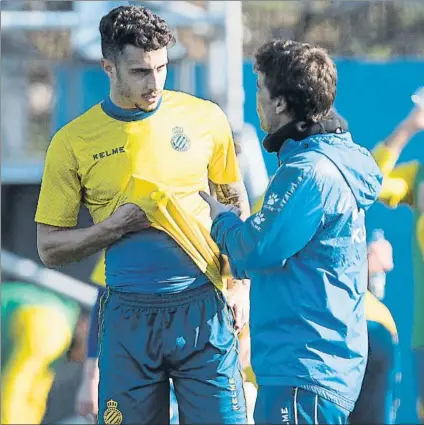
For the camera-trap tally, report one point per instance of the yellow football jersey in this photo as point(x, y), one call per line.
point(159, 160)
point(92, 159)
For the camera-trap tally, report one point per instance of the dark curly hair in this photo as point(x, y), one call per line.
point(136, 26)
point(302, 73)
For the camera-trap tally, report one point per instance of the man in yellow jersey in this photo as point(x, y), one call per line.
point(404, 184)
point(38, 327)
point(137, 162)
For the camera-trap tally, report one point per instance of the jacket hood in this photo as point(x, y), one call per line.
point(355, 163)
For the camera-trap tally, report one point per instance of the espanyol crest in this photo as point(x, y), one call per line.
point(179, 141)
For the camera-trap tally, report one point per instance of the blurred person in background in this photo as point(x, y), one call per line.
point(137, 161)
point(404, 184)
point(87, 396)
point(305, 251)
point(378, 400)
point(38, 328)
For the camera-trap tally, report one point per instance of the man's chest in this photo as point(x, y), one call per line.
point(168, 153)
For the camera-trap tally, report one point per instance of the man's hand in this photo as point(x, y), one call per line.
point(87, 401)
point(415, 120)
point(58, 246)
point(238, 300)
point(216, 207)
point(129, 218)
point(380, 257)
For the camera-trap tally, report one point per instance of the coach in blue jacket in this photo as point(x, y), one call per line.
point(305, 251)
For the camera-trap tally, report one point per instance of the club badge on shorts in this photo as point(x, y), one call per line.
point(112, 415)
point(179, 141)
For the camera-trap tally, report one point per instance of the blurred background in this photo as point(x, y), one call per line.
point(50, 54)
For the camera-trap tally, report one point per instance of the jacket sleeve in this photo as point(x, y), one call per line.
point(289, 218)
point(398, 183)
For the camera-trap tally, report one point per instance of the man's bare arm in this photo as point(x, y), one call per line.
point(404, 132)
point(233, 194)
point(58, 246)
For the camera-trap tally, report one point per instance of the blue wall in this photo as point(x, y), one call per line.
point(373, 97)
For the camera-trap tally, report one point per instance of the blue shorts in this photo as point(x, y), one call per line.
point(377, 403)
point(292, 405)
point(147, 339)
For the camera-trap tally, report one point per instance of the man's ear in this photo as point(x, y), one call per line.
point(280, 105)
point(108, 67)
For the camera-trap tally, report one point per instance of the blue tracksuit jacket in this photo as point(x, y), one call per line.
point(306, 255)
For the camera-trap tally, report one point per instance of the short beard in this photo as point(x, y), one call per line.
point(149, 109)
point(123, 89)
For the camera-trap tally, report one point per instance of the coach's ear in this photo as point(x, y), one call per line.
point(280, 105)
point(108, 67)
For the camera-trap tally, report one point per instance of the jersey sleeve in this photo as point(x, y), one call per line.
point(223, 167)
point(398, 183)
point(60, 195)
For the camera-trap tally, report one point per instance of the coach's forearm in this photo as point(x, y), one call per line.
point(61, 246)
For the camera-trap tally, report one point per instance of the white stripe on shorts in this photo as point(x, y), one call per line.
point(295, 406)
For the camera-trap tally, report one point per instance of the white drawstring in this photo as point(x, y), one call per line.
point(316, 409)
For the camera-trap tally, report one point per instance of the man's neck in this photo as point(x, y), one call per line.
point(281, 123)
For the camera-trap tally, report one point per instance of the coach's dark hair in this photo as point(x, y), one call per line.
point(302, 73)
point(133, 25)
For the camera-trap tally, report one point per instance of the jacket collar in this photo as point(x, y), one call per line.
point(299, 130)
